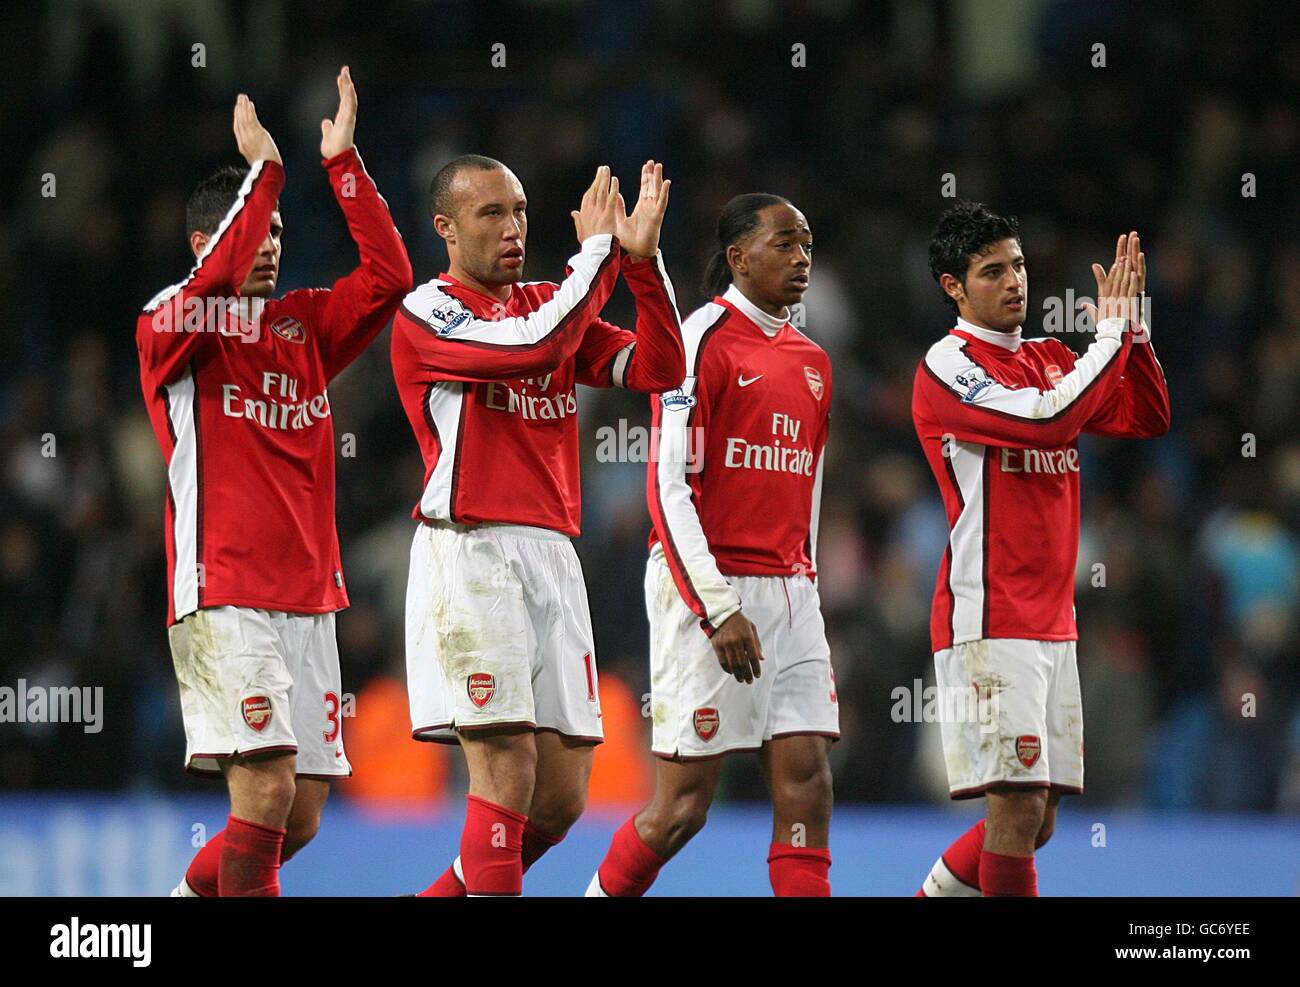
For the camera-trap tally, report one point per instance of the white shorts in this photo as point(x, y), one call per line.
point(1016, 719)
point(701, 711)
point(257, 681)
point(498, 633)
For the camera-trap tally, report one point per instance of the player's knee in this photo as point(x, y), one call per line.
point(556, 816)
point(272, 790)
point(1022, 821)
point(808, 796)
point(689, 813)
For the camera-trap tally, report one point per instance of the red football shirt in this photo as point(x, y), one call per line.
point(488, 386)
point(735, 485)
point(236, 390)
point(999, 419)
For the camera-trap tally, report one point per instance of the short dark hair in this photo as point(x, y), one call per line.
point(738, 220)
point(964, 232)
point(212, 199)
point(440, 187)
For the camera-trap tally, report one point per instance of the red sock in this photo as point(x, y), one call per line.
point(799, 872)
point(1003, 877)
point(490, 848)
point(963, 857)
point(205, 868)
point(629, 867)
point(447, 886)
point(536, 843)
point(250, 860)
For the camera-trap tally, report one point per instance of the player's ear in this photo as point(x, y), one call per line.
point(198, 242)
point(445, 227)
point(953, 288)
point(737, 259)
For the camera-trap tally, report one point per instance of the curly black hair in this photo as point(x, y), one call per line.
point(966, 231)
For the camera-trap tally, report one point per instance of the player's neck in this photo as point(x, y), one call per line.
point(1008, 339)
point(767, 308)
point(501, 292)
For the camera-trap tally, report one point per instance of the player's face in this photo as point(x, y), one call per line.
point(265, 272)
point(486, 235)
point(995, 291)
point(777, 259)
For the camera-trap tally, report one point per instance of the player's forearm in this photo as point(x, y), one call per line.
point(992, 414)
point(384, 266)
point(658, 363)
point(232, 247)
point(1150, 414)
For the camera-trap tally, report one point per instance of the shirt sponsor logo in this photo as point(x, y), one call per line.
point(777, 458)
point(257, 712)
point(1028, 748)
point(814, 378)
point(975, 380)
point(1052, 461)
point(481, 687)
point(448, 317)
point(706, 720)
point(500, 396)
point(269, 413)
point(289, 328)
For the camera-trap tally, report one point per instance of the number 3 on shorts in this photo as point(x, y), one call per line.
point(331, 717)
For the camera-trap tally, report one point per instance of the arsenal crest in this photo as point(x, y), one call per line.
point(289, 328)
point(1028, 748)
point(257, 712)
point(814, 378)
point(481, 687)
point(1053, 373)
point(706, 722)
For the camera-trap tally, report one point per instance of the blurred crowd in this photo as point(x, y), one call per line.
point(1188, 131)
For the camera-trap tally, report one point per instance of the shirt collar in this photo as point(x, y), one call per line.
point(1007, 340)
point(770, 324)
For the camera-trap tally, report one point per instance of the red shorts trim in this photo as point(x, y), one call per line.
point(970, 793)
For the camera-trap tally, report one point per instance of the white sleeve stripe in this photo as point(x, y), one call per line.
point(520, 333)
point(950, 365)
point(618, 368)
point(814, 516)
point(213, 240)
point(688, 548)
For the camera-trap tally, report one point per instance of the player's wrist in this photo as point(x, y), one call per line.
point(343, 156)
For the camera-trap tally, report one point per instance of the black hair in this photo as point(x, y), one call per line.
point(212, 198)
point(440, 187)
point(964, 232)
point(739, 219)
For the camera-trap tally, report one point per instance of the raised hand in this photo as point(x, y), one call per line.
point(1118, 288)
point(639, 232)
point(738, 649)
point(600, 207)
point(336, 135)
point(254, 142)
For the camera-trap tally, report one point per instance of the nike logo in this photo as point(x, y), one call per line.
point(745, 383)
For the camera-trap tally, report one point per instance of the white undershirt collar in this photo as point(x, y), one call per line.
point(1007, 340)
point(770, 324)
